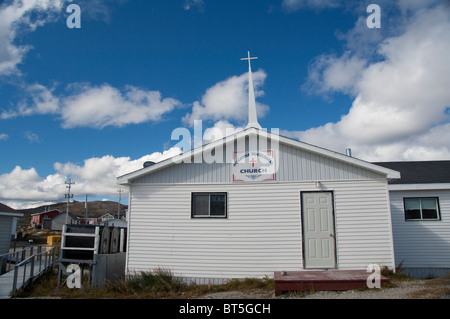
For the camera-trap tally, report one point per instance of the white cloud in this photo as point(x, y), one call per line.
point(329, 73)
point(38, 100)
point(21, 15)
point(101, 106)
point(401, 101)
point(84, 105)
point(220, 130)
point(96, 176)
point(25, 184)
point(94, 106)
point(3, 137)
point(228, 100)
point(105, 105)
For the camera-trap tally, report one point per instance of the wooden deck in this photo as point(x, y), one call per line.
point(321, 280)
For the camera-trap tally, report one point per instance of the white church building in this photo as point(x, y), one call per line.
point(267, 203)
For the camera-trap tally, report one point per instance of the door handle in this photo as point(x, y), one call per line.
point(331, 235)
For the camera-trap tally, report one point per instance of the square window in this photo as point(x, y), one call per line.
point(209, 205)
point(421, 208)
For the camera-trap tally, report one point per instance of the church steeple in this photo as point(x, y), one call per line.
point(252, 116)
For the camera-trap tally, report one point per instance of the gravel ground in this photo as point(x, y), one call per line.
point(414, 289)
point(402, 291)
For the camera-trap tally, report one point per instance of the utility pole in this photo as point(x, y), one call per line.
point(68, 196)
point(120, 190)
point(85, 210)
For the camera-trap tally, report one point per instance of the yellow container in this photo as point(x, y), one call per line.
point(54, 241)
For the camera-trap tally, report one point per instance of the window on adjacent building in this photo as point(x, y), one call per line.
point(209, 205)
point(426, 208)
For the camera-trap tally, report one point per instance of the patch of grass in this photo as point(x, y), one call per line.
point(248, 283)
point(158, 283)
point(47, 286)
point(156, 280)
point(39, 288)
point(398, 275)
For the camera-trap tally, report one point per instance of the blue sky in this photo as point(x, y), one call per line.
point(94, 102)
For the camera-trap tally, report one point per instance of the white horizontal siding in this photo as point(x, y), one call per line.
point(299, 165)
point(423, 243)
point(262, 233)
point(363, 229)
point(293, 165)
point(5, 233)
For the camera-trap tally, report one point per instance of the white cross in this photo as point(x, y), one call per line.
point(249, 58)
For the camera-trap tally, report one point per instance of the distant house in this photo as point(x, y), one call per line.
point(43, 219)
point(89, 221)
point(8, 224)
point(58, 221)
point(106, 217)
point(420, 209)
point(114, 222)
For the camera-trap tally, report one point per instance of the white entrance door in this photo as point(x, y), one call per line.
point(318, 230)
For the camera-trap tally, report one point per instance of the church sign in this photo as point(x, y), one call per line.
point(253, 166)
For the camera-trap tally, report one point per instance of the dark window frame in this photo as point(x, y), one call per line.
point(421, 211)
point(193, 215)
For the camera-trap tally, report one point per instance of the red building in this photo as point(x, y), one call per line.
point(38, 218)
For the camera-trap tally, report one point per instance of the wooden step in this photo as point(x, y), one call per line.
point(322, 280)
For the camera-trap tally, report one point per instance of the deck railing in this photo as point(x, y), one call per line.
point(28, 269)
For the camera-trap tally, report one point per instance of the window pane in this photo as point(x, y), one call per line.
point(412, 208)
point(201, 205)
point(429, 208)
point(217, 205)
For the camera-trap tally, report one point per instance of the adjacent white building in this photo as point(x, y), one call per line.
point(420, 207)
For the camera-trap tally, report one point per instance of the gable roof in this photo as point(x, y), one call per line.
point(47, 212)
point(6, 209)
point(251, 131)
point(64, 214)
point(420, 172)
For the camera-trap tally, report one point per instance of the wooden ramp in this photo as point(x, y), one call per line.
point(7, 281)
point(321, 280)
point(25, 271)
